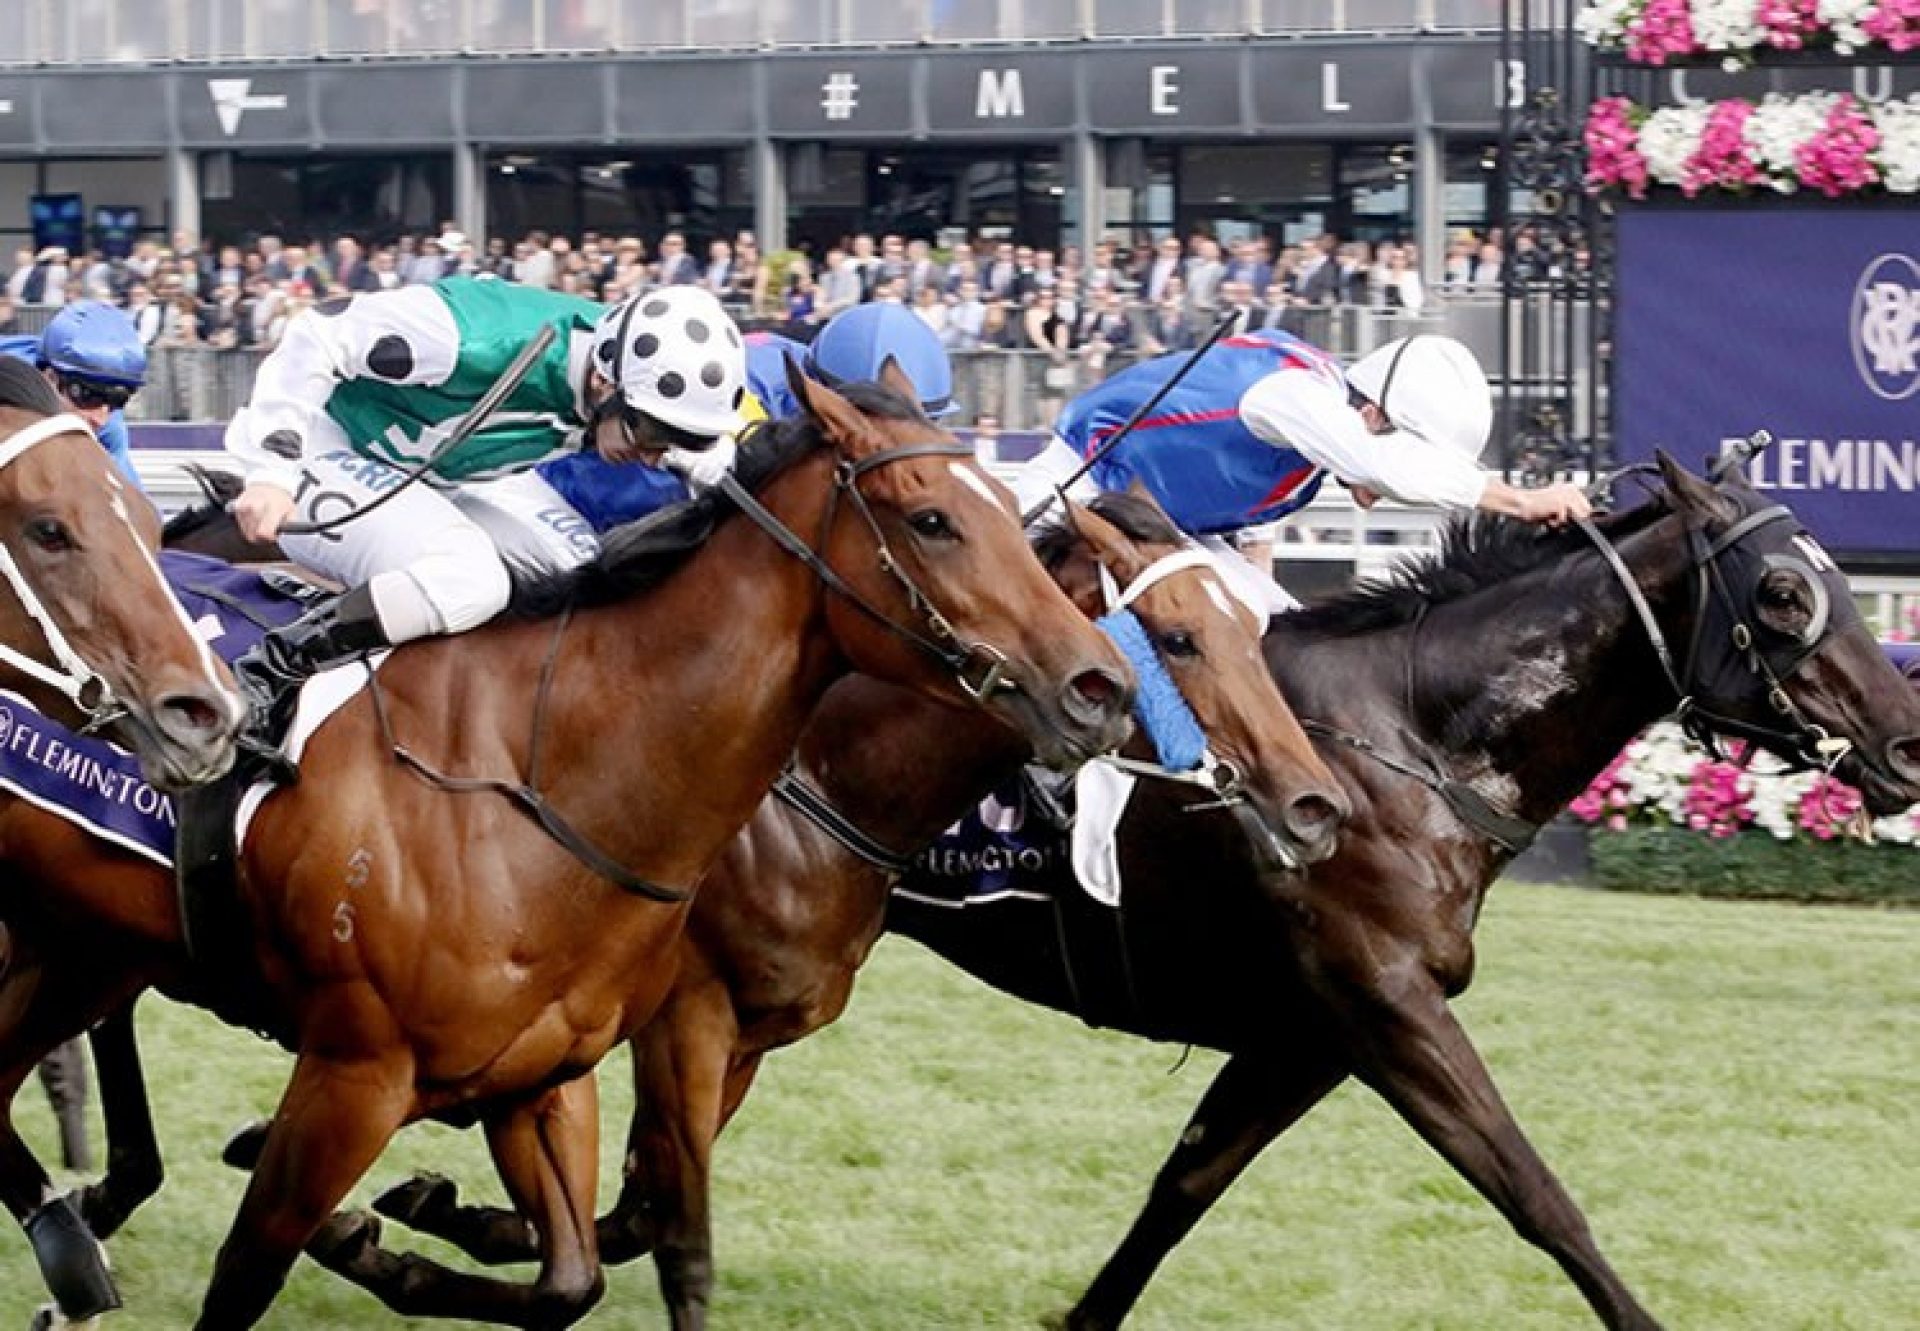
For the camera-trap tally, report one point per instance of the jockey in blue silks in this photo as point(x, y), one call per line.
point(1263, 418)
point(96, 362)
point(852, 348)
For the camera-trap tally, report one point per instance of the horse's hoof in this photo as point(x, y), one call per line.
point(415, 1202)
point(49, 1318)
point(242, 1151)
point(344, 1239)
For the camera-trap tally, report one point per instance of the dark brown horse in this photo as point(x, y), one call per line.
point(786, 918)
point(435, 954)
point(1461, 706)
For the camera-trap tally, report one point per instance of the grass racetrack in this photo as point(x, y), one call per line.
point(1731, 1091)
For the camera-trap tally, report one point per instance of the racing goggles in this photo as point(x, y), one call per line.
point(88, 394)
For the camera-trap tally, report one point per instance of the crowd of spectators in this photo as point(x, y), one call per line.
point(1139, 300)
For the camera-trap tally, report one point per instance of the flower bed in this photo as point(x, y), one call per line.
point(1658, 32)
point(1666, 817)
point(1830, 142)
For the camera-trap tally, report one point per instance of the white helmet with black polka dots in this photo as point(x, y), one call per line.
point(675, 355)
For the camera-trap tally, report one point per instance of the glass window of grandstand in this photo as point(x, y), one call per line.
point(1284, 191)
point(379, 27)
point(220, 29)
point(95, 31)
point(1376, 193)
point(703, 195)
point(24, 37)
point(378, 198)
point(1004, 20)
point(921, 193)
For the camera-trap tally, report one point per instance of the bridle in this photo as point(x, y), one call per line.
point(979, 668)
point(70, 676)
point(1725, 648)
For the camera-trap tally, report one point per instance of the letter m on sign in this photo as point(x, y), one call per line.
point(1000, 96)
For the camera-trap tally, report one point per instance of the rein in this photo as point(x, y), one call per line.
point(70, 676)
point(940, 640)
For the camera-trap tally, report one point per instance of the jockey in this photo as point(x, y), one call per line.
point(363, 389)
point(1262, 419)
point(852, 348)
point(96, 362)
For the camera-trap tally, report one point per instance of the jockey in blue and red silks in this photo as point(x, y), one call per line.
point(1262, 419)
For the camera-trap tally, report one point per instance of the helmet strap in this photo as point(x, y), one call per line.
point(1386, 384)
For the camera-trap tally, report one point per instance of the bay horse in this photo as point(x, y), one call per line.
point(433, 953)
point(788, 915)
point(92, 636)
point(1461, 705)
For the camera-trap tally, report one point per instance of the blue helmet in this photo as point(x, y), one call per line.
point(92, 340)
point(855, 345)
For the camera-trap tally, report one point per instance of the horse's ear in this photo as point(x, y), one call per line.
point(1690, 493)
point(1111, 546)
point(836, 417)
point(896, 378)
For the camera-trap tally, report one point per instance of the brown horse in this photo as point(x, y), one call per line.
point(785, 919)
point(440, 954)
point(1460, 707)
point(93, 636)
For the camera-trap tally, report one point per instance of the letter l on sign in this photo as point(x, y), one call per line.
point(1330, 99)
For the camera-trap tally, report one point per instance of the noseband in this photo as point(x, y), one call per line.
point(1725, 649)
point(70, 676)
point(979, 668)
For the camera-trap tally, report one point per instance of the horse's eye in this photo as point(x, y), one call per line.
point(49, 534)
point(1178, 643)
point(933, 525)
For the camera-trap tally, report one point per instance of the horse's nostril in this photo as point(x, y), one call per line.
point(1313, 818)
point(1904, 756)
point(1099, 691)
point(191, 714)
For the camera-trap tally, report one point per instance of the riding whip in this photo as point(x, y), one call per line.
point(1219, 331)
point(465, 429)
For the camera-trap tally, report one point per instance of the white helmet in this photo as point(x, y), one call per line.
point(675, 355)
point(1430, 387)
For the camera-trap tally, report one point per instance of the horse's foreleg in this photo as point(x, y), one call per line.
point(1254, 1099)
point(1413, 1051)
point(545, 1150)
point(134, 1168)
point(330, 1127)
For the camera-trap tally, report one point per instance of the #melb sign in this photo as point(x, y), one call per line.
point(1802, 320)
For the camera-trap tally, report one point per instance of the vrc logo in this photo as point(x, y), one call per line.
point(1885, 327)
point(233, 98)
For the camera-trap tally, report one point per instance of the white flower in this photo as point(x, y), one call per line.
point(1669, 137)
point(1727, 25)
point(1898, 156)
point(1604, 22)
point(1845, 18)
point(1777, 128)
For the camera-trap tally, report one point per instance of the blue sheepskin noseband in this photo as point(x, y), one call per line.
point(1177, 738)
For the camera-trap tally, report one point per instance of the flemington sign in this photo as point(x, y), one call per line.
point(1277, 88)
point(1803, 319)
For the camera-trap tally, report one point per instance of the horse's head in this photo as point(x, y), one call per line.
point(86, 613)
point(1779, 652)
point(1210, 644)
point(955, 602)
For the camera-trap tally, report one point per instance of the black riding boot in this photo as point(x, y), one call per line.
point(271, 674)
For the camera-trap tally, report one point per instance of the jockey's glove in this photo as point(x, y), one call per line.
point(704, 468)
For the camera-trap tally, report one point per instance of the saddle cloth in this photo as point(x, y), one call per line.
point(1027, 842)
point(97, 785)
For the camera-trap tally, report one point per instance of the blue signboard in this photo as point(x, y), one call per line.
point(58, 219)
point(1799, 319)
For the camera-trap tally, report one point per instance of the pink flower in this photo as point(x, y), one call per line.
point(1838, 160)
point(1618, 822)
point(1789, 22)
point(1722, 160)
point(1827, 808)
point(1614, 160)
point(1664, 29)
point(1895, 22)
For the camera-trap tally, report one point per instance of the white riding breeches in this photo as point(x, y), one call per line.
point(459, 546)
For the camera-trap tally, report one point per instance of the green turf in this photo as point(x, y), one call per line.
point(1730, 1090)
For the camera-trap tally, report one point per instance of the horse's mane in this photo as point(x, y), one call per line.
point(642, 554)
point(21, 385)
point(1138, 519)
point(220, 488)
point(1477, 551)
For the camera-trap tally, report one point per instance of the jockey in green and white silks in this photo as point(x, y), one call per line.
point(363, 390)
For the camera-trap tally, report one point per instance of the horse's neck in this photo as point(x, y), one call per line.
point(1575, 677)
point(703, 685)
point(903, 769)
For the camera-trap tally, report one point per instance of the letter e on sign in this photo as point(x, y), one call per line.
point(1164, 90)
